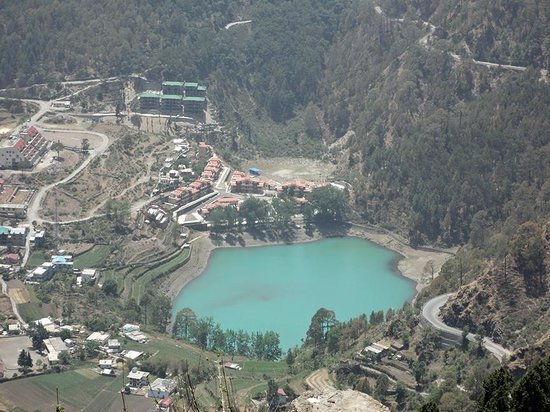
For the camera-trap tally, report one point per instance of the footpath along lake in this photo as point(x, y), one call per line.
point(280, 288)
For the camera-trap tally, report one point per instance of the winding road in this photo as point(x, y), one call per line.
point(34, 206)
point(430, 313)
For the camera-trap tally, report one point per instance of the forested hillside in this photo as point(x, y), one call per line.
point(440, 142)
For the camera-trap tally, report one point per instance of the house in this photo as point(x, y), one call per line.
point(131, 354)
point(48, 324)
point(63, 263)
point(149, 101)
point(98, 337)
point(41, 274)
point(279, 399)
point(165, 404)
point(13, 235)
point(106, 364)
point(113, 345)
point(107, 372)
point(24, 151)
point(136, 336)
point(14, 329)
point(37, 237)
point(89, 276)
point(129, 327)
point(137, 378)
point(161, 388)
point(12, 258)
point(376, 350)
point(55, 346)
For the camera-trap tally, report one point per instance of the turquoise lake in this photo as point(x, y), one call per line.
point(280, 288)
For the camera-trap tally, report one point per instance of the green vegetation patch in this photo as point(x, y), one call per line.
point(30, 311)
point(37, 258)
point(92, 258)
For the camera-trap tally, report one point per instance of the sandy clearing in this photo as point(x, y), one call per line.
point(292, 168)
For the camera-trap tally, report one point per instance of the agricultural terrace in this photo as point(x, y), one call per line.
point(83, 389)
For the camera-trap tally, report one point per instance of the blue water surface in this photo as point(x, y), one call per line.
point(280, 288)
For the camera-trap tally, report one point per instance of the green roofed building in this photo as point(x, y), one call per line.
point(175, 98)
point(171, 104)
point(149, 102)
point(194, 105)
point(173, 88)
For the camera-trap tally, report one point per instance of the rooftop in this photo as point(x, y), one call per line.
point(172, 83)
point(191, 85)
point(149, 95)
point(172, 97)
point(193, 99)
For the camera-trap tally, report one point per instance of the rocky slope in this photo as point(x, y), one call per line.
point(501, 304)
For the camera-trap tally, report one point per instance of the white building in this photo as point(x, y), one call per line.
point(161, 388)
point(24, 151)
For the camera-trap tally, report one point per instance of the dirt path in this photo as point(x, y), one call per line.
point(319, 380)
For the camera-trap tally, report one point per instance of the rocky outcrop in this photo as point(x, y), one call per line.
point(335, 400)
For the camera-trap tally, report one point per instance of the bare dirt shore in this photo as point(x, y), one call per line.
point(414, 263)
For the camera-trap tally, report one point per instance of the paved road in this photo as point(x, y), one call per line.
point(237, 23)
point(430, 312)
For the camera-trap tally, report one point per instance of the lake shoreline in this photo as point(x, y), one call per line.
point(411, 265)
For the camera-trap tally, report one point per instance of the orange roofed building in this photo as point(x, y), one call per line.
point(243, 183)
point(194, 191)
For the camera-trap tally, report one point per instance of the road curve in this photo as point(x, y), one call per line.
point(430, 313)
point(34, 207)
point(237, 23)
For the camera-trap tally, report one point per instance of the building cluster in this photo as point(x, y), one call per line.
point(134, 333)
point(62, 263)
point(175, 98)
point(23, 150)
point(222, 202)
point(190, 193)
point(14, 200)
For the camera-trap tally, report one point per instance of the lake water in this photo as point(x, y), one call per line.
point(280, 288)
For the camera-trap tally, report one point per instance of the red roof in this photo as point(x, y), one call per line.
point(14, 257)
point(31, 131)
point(166, 402)
point(20, 145)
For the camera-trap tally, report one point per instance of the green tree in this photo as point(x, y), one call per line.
point(329, 205)
point(320, 325)
point(429, 406)
point(271, 346)
point(497, 388)
point(532, 391)
point(400, 395)
point(57, 147)
point(38, 334)
point(118, 211)
point(64, 357)
point(24, 361)
point(255, 211)
point(185, 318)
point(85, 144)
point(529, 254)
point(110, 287)
point(161, 311)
